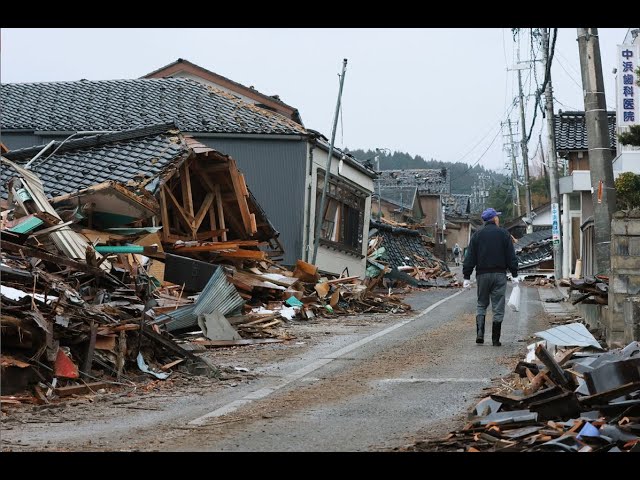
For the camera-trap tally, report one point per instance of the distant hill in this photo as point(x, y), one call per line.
point(463, 176)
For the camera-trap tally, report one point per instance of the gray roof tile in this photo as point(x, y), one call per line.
point(66, 170)
point(428, 180)
point(571, 130)
point(130, 104)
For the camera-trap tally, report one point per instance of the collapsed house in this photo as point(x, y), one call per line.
point(283, 162)
point(403, 254)
point(535, 253)
point(113, 244)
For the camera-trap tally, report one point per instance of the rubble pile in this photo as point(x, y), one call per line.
point(403, 255)
point(136, 265)
point(567, 396)
point(591, 289)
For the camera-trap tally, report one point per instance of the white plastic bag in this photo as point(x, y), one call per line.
point(514, 299)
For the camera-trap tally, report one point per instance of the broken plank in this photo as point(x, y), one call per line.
point(233, 343)
point(171, 364)
point(79, 389)
point(610, 394)
point(43, 255)
point(251, 254)
point(168, 344)
point(88, 361)
point(342, 280)
point(556, 372)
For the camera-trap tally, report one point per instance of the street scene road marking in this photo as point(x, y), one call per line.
point(313, 366)
point(436, 380)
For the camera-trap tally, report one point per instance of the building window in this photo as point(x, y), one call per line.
point(343, 218)
point(574, 201)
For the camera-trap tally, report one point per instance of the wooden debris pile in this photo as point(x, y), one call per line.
point(404, 256)
point(591, 289)
point(561, 398)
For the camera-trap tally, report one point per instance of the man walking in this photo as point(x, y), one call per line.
point(491, 253)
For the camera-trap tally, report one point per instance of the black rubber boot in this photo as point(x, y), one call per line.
point(479, 328)
point(495, 333)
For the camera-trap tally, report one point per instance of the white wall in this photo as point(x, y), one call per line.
point(329, 259)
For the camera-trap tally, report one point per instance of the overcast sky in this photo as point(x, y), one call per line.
point(439, 93)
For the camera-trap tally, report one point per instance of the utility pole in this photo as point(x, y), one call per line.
point(327, 171)
point(600, 162)
point(525, 151)
point(556, 232)
point(514, 169)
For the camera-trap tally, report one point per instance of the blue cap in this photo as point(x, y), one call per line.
point(489, 213)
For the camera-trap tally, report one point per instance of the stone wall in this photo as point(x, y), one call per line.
point(624, 281)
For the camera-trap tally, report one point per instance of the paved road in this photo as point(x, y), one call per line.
point(361, 390)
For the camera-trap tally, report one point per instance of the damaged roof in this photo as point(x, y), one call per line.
point(403, 246)
point(127, 104)
point(83, 162)
point(457, 205)
point(175, 67)
point(427, 180)
point(403, 197)
point(571, 130)
point(534, 248)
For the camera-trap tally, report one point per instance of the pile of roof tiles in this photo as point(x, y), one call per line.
point(534, 251)
point(568, 395)
point(403, 255)
point(591, 289)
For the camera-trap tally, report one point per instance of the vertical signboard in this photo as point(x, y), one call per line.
point(555, 223)
point(628, 111)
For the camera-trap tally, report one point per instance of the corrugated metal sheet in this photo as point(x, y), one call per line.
point(571, 335)
point(275, 174)
point(218, 294)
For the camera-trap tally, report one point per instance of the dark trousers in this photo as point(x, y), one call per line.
point(492, 287)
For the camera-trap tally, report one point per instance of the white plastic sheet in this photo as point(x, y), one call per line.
point(514, 298)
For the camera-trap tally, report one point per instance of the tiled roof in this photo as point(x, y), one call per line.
point(403, 246)
point(273, 98)
point(534, 248)
point(127, 104)
point(401, 196)
point(91, 160)
point(571, 130)
point(428, 180)
point(457, 205)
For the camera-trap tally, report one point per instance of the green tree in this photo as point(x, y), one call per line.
point(628, 191)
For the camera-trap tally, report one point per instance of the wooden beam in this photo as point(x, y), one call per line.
point(208, 201)
point(79, 389)
point(252, 254)
point(88, 361)
point(164, 212)
point(232, 343)
point(185, 217)
point(221, 222)
point(41, 254)
point(185, 183)
point(240, 189)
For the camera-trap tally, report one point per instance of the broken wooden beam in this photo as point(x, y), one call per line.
point(556, 372)
point(43, 255)
point(79, 389)
point(234, 343)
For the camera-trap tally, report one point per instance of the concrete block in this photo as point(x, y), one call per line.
point(592, 315)
point(629, 284)
point(625, 227)
point(631, 315)
point(620, 245)
point(630, 263)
